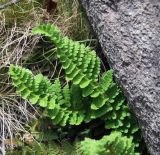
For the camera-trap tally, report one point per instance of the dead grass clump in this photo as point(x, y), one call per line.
point(22, 12)
point(14, 115)
point(70, 19)
point(16, 42)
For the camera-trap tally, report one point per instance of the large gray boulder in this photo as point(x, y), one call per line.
point(129, 33)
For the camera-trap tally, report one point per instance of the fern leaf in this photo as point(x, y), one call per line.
point(114, 143)
point(83, 69)
point(48, 30)
point(106, 80)
point(92, 147)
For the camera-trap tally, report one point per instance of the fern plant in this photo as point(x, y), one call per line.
point(87, 96)
point(113, 144)
point(82, 68)
point(66, 105)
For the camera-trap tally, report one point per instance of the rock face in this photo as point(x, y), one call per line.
point(129, 33)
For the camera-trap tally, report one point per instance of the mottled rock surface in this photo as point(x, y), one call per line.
point(129, 33)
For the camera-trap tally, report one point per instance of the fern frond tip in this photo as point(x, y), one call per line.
point(48, 30)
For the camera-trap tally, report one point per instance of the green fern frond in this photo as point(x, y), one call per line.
point(92, 147)
point(106, 80)
point(113, 144)
point(81, 64)
point(49, 31)
point(112, 108)
point(57, 100)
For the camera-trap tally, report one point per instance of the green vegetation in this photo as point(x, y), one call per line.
point(114, 144)
point(84, 97)
point(65, 102)
point(19, 46)
point(45, 149)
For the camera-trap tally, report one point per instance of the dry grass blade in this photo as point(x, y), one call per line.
point(14, 115)
point(15, 43)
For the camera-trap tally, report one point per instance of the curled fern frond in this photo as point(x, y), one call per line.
point(81, 64)
point(49, 31)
